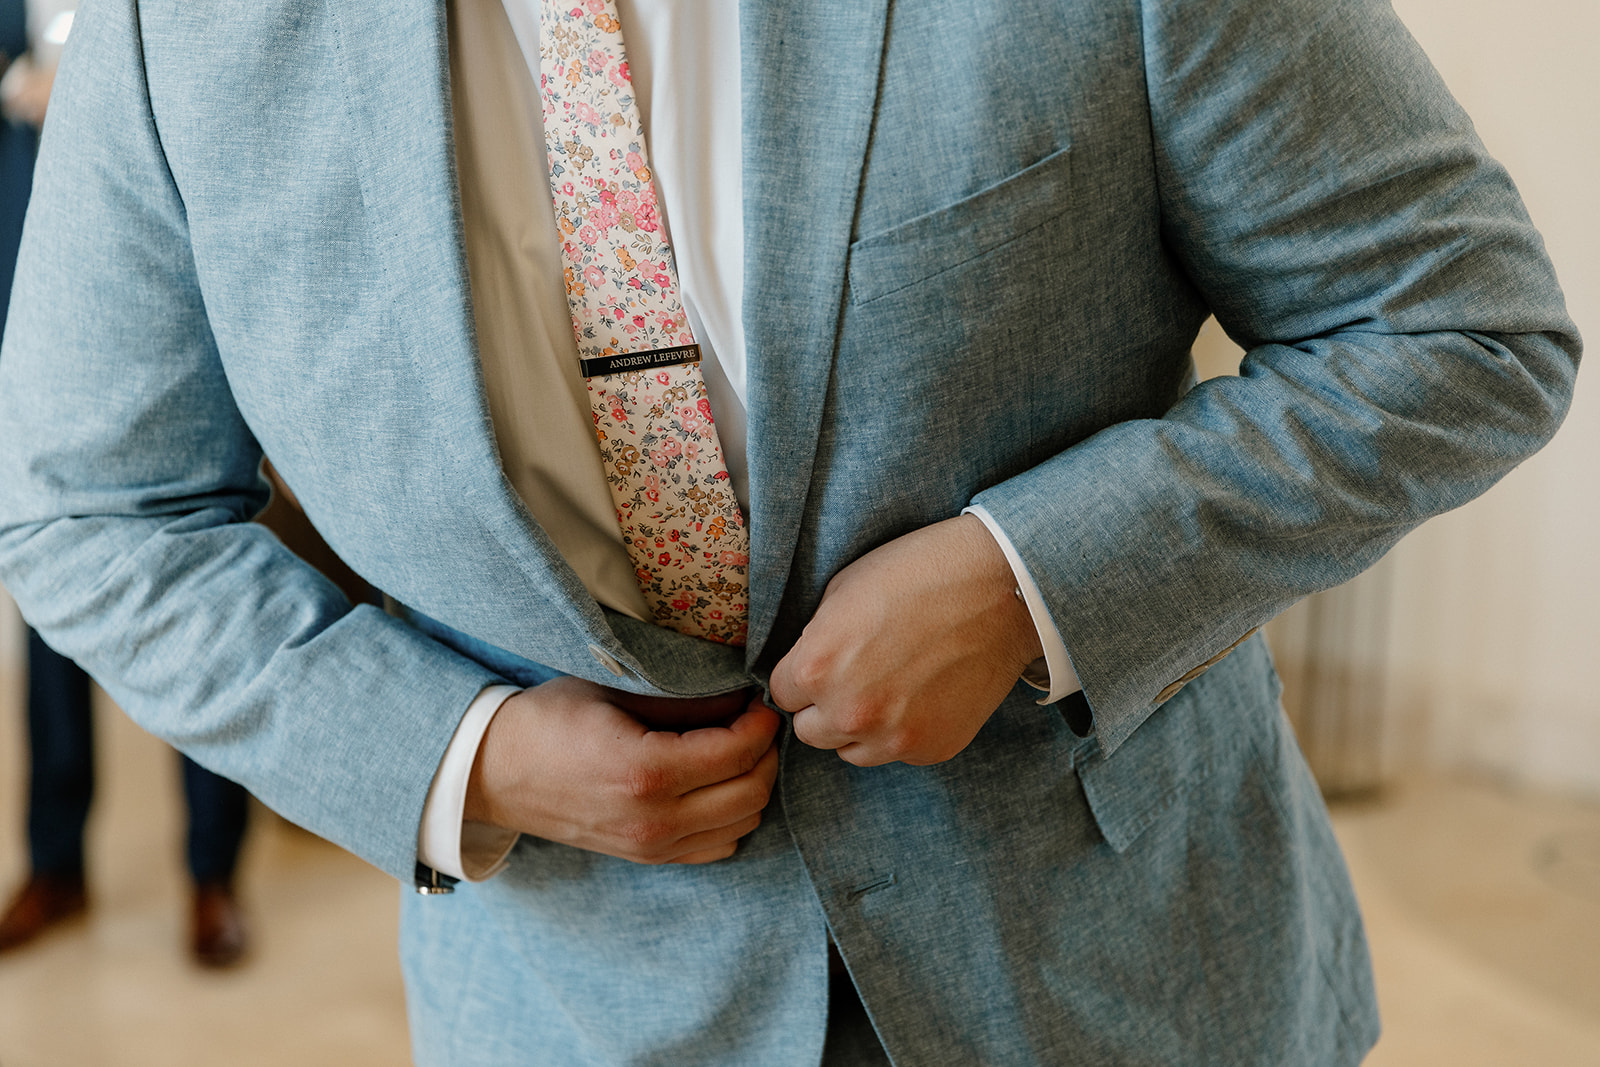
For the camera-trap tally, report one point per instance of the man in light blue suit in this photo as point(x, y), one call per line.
point(979, 241)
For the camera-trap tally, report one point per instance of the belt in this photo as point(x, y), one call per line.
point(682, 713)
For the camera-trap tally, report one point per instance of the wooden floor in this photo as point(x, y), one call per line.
point(322, 986)
point(1483, 908)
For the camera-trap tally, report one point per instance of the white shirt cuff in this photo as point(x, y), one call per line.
point(1051, 673)
point(446, 841)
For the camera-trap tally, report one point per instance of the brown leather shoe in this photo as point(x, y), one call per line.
point(46, 900)
point(218, 937)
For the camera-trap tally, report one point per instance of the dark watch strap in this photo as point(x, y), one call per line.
point(430, 883)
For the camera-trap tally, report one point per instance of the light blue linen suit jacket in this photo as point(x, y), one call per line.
point(980, 240)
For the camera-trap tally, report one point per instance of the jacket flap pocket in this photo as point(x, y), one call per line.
point(930, 244)
point(1196, 737)
point(1137, 785)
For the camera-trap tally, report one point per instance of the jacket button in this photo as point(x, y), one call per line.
point(608, 661)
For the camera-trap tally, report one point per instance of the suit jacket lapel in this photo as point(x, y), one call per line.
point(809, 84)
point(809, 77)
point(395, 56)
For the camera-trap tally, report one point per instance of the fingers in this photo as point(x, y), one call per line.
point(726, 802)
point(714, 808)
point(816, 729)
point(674, 764)
point(813, 728)
point(707, 823)
point(706, 845)
point(561, 762)
point(796, 677)
point(860, 755)
point(758, 722)
point(710, 855)
point(714, 845)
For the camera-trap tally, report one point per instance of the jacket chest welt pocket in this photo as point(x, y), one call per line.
point(939, 241)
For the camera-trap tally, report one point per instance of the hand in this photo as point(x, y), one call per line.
point(28, 92)
point(562, 762)
point(913, 647)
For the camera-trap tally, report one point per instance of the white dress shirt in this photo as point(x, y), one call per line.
point(684, 60)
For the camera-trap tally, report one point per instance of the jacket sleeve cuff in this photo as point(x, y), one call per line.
point(446, 840)
point(1052, 673)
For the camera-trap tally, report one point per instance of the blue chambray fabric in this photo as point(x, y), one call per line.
point(981, 239)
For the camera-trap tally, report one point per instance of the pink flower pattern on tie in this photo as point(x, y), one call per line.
point(680, 520)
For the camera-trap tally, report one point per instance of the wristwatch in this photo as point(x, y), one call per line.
point(430, 883)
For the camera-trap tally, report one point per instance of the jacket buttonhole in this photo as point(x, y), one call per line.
point(873, 886)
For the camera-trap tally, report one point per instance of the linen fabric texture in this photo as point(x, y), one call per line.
point(976, 287)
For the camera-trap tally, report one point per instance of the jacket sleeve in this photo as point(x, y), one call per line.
point(127, 479)
point(1406, 344)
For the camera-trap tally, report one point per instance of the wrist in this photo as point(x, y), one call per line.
point(447, 840)
point(1029, 644)
point(479, 805)
point(1019, 637)
point(1051, 671)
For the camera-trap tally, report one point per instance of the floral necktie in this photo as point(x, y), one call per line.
point(680, 521)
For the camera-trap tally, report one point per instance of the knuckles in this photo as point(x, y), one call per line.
point(710, 855)
point(748, 761)
point(647, 782)
point(860, 720)
point(758, 795)
point(648, 839)
point(811, 731)
point(896, 745)
point(809, 672)
point(804, 673)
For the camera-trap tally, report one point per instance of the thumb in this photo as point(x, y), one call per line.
point(787, 686)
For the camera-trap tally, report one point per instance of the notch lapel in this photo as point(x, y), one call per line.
point(395, 56)
point(809, 77)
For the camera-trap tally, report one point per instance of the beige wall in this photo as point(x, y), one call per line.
point(1500, 615)
point(1496, 618)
